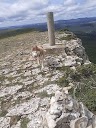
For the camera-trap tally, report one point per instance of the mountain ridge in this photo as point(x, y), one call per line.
point(65, 22)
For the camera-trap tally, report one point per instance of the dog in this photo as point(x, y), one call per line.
point(38, 53)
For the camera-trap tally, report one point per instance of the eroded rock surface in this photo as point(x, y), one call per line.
point(26, 90)
point(65, 112)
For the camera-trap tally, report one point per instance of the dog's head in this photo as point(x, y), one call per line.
point(35, 51)
point(34, 54)
point(34, 48)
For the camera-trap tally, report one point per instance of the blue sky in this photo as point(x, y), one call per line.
point(20, 12)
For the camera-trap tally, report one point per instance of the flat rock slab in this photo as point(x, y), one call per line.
point(25, 108)
point(56, 49)
point(4, 122)
point(10, 90)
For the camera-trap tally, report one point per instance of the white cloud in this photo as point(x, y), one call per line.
point(24, 11)
point(69, 2)
point(20, 7)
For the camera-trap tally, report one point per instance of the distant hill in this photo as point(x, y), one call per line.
point(77, 23)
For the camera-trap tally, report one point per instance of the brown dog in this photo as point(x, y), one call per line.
point(38, 52)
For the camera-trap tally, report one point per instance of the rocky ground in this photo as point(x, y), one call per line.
point(23, 85)
point(25, 89)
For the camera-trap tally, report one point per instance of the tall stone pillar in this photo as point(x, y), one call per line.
point(51, 29)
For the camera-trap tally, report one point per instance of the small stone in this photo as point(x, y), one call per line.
point(27, 73)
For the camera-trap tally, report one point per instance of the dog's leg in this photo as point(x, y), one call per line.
point(38, 61)
point(42, 64)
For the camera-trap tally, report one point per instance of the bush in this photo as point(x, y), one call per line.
point(85, 75)
point(68, 37)
point(75, 76)
point(24, 122)
point(63, 81)
point(87, 95)
point(87, 70)
point(64, 30)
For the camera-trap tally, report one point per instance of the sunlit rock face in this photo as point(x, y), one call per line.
point(75, 49)
point(27, 91)
point(73, 53)
point(65, 112)
point(76, 52)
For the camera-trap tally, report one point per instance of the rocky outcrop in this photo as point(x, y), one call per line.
point(65, 112)
point(26, 90)
point(74, 48)
point(54, 62)
point(73, 53)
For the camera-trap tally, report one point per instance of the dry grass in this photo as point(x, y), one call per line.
point(22, 42)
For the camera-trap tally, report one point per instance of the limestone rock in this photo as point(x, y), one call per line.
point(75, 49)
point(79, 123)
point(24, 108)
point(68, 113)
point(50, 89)
point(53, 62)
point(4, 122)
point(10, 90)
point(22, 82)
point(70, 61)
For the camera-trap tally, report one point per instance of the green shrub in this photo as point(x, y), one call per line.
point(24, 122)
point(64, 30)
point(3, 113)
point(75, 76)
point(44, 94)
point(63, 81)
point(68, 37)
point(87, 70)
point(87, 95)
point(85, 75)
point(14, 119)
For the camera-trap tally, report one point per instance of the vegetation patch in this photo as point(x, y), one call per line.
point(68, 37)
point(24, 122)
point(2, 78)
point(64, 80)
point(85, 81)
point(14, 32)
point(3, 113)
point(44, 94)
point(14, 119)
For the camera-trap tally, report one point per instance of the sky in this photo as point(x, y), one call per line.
point(20, 12)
